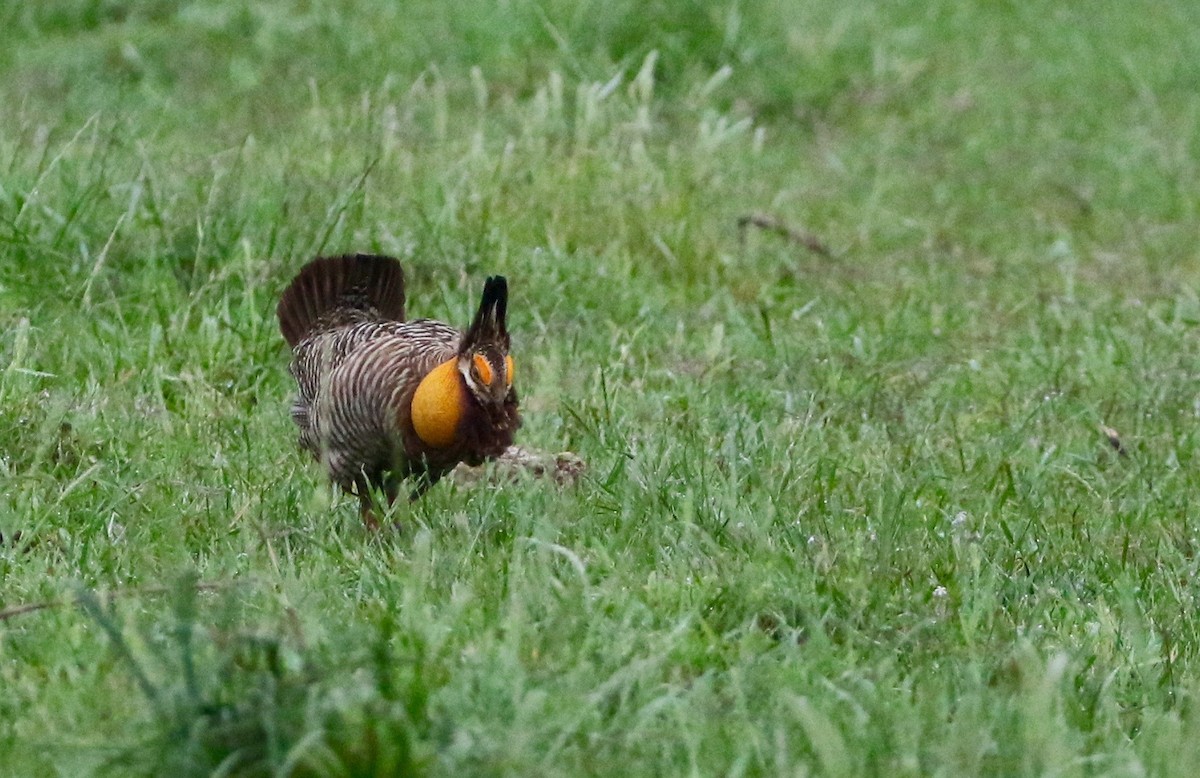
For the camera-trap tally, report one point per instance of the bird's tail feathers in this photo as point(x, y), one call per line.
point(329, 290)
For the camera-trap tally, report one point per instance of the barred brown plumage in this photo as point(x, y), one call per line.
point(382, 399)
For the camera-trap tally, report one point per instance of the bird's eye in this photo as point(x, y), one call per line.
point(509, 367)
point(483, 369)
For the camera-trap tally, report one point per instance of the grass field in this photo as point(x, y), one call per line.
point(924, 503)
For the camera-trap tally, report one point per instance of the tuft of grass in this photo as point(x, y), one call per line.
point(223, 700)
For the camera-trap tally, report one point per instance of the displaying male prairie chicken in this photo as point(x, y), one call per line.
point(383, 399)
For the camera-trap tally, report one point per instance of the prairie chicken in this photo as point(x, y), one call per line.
point(383, 399)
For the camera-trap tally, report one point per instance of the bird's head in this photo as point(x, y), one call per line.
point(482, 370)
point(483, 357)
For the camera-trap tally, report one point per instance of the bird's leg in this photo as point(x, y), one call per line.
point(391, 490)
point(366, 502)
point(369, 516)
point(424, 482)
